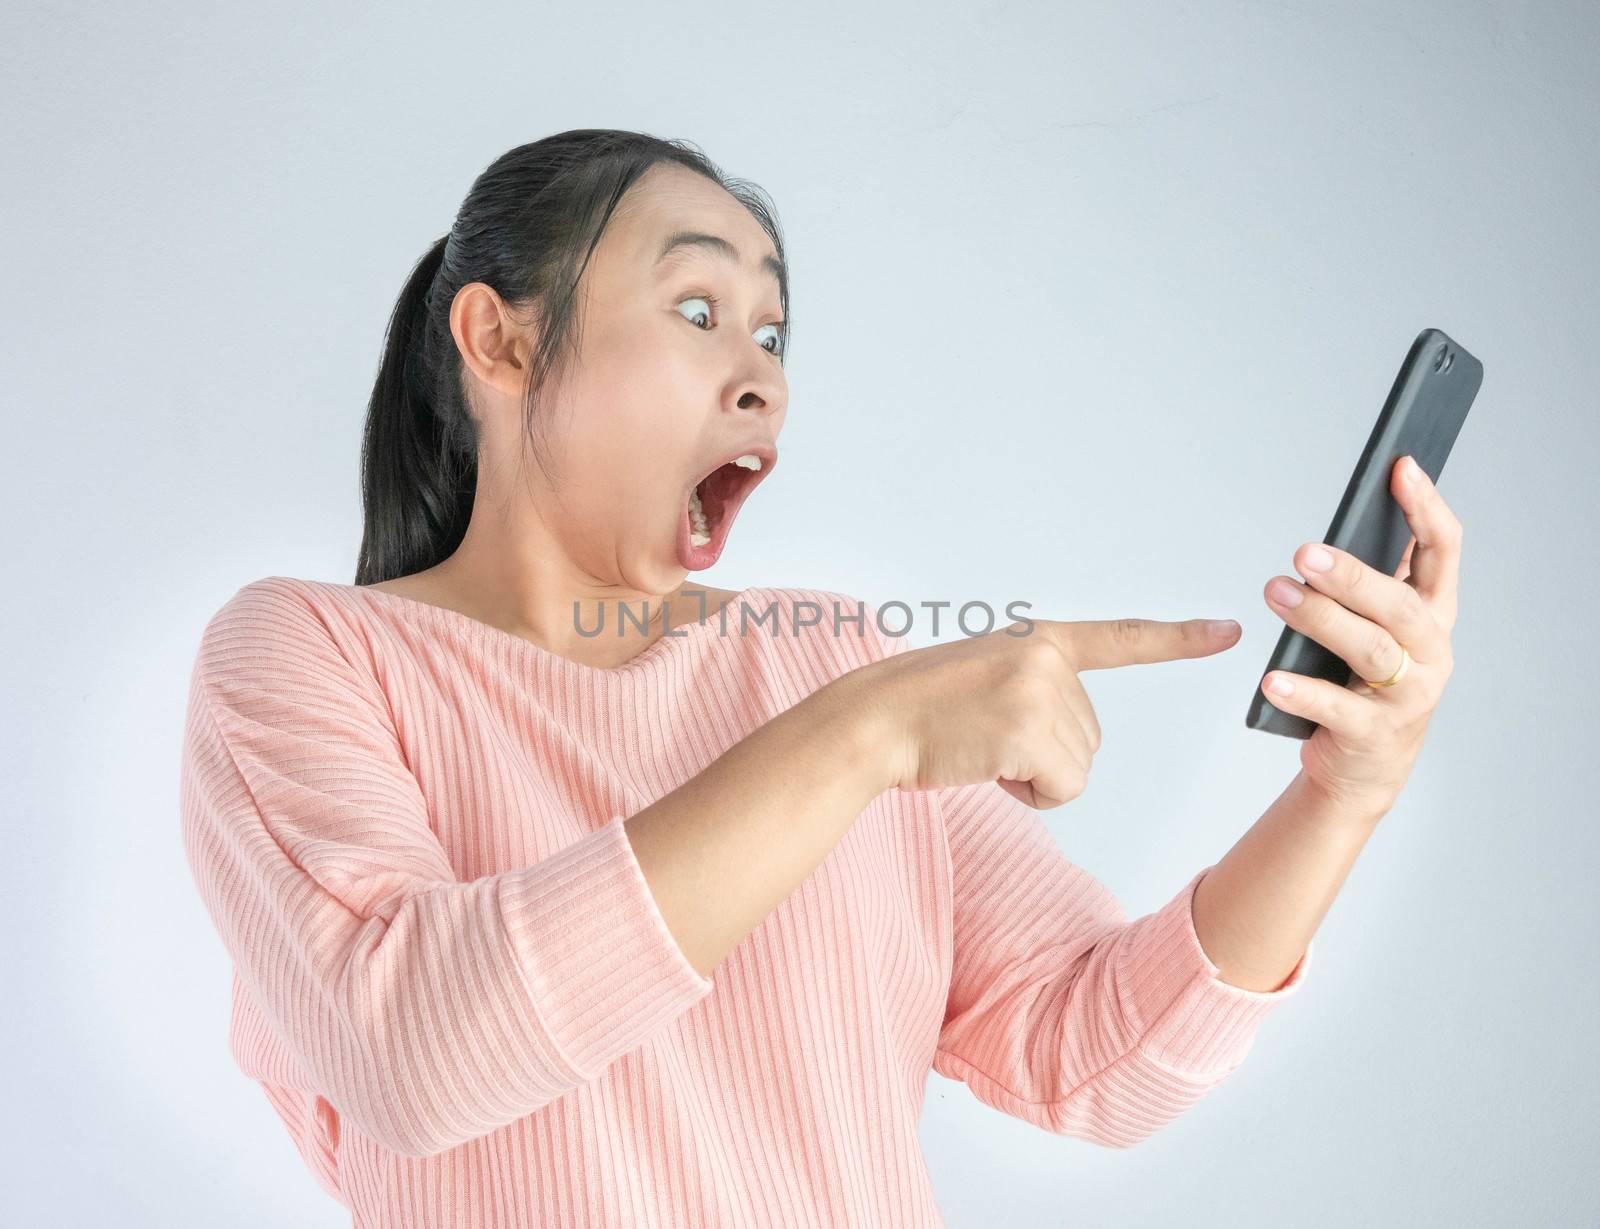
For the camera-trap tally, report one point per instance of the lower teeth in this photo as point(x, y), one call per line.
point(700, 531)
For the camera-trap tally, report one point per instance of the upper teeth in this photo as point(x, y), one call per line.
point(749, 461)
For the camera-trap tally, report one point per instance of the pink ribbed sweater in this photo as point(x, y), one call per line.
point(455, 988)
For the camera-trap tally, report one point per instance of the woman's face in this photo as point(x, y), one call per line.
point(668, 384)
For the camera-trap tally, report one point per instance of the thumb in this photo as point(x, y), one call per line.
point(1103, 644)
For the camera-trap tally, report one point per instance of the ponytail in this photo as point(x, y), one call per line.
point(418, 466)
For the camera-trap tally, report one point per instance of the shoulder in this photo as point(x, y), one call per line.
point(272, 605)
point(282, 627)
point(285, 667)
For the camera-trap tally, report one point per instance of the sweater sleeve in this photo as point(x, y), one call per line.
point(1062, 1012)
point(428, 1010)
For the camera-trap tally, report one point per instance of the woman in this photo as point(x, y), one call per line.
point(665, 925)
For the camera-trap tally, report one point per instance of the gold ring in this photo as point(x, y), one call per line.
point(1405, 661)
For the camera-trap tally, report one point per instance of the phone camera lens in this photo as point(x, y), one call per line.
point(1443, 357)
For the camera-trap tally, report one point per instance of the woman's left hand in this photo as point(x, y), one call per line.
point(1368, 737)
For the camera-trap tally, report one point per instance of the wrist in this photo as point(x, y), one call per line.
point(1328, 808)
point(868, 732)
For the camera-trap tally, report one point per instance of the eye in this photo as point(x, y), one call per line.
point(713, 302)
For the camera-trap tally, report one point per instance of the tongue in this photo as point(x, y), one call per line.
point(716, 488)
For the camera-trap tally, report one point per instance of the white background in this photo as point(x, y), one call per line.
point(1094, 307)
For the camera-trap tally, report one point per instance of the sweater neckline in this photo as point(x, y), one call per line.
point(487, 633)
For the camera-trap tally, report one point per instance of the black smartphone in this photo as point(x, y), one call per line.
point(1422, 417)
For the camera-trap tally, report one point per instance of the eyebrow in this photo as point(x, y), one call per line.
point(717, 246)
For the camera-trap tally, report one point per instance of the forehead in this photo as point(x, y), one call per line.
point(670, 203)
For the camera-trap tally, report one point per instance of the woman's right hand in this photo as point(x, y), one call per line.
point(1008, 706)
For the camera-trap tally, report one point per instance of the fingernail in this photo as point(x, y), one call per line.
point(1318, 560)
point(1222, 627)
point(1412, 471)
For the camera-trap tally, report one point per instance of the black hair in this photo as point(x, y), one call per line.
point(527, 229)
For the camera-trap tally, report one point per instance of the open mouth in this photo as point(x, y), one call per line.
point(712, 503)
point(715, 495)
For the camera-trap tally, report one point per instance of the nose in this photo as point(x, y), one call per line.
point(762, 399)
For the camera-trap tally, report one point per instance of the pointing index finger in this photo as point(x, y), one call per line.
point(1103, 644)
